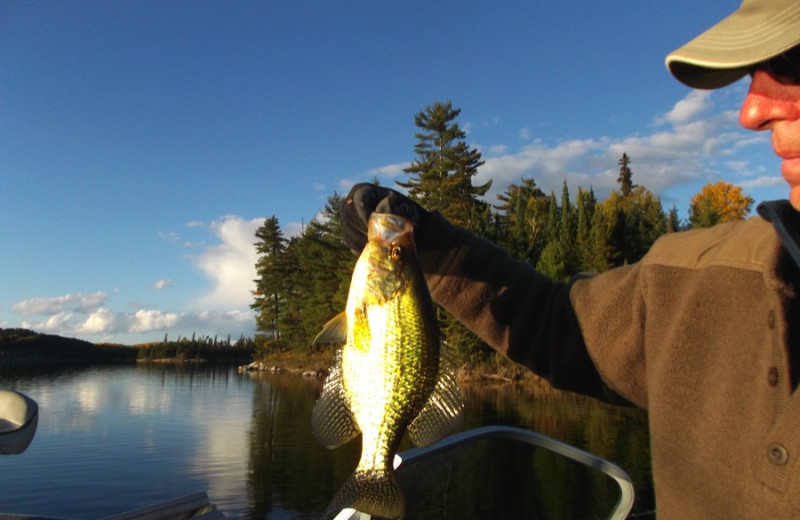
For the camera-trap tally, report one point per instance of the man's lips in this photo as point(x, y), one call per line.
point(790, 167)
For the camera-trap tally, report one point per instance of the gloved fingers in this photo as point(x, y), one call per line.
point(354, 228)
point(399, 205)
point(365, 199)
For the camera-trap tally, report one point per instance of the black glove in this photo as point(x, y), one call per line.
point(365, 198)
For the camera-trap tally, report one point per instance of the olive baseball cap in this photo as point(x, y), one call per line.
point(757, 31)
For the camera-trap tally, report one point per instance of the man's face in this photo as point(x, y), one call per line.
point(774, 104)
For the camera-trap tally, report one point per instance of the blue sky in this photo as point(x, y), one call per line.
point(142, 143)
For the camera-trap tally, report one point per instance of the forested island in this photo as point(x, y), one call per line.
point(26, 348)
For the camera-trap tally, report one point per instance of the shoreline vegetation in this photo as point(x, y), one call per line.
point(25, 349)
point(22, 348)
point(317, 364)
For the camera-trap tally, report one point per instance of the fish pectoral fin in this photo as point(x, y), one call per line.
point(335, 331)
point(332, 421)
point(444, 409)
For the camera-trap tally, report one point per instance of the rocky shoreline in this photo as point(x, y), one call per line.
point(267, 368)
point(480, 375)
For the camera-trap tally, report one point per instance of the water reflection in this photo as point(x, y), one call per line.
point(615, 433)
point(504, 477)
point(113, 439)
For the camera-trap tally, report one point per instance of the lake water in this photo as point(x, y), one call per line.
point(111, 439)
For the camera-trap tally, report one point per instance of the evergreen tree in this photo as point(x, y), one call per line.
point(634, 218)
point(551, 261)
point(523, 214)
point(625, 181)
point(601, 256)
point(441, 175)
point(635, 222)
point(325, 267)
point(296, 290)
point(673, 221)
point(567, 233)
point(269, 284)
point(586, 204)
point(553, 221)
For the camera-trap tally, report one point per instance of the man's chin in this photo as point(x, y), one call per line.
point(794, 197)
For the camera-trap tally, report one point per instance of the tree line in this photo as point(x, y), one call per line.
point(26, 348)
point(205, 348)
point(302, 281)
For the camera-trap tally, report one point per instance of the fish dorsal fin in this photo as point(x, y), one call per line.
point(335, 331)
point(332, 421)
point(443, 412)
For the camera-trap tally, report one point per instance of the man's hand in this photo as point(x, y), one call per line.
point(365, 198)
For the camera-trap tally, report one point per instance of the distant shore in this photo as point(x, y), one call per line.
point(499, 371)
point(22, 348)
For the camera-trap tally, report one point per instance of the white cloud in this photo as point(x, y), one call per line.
point(54, 323)
point(293, 229)
point(162, 284)
point(692, 143)
point(384, 174)
point(389, 171)
point(54, 305)
point(102, 321)
point(765, 181)
point(498, 149)
point(108, 324)
point(150, 320)
point(230, 264)
point(688, 108)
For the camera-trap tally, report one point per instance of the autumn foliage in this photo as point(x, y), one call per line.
point(716, 203)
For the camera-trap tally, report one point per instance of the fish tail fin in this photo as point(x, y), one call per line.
point(375, 492)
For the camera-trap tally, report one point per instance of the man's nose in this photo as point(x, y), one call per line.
point(766, 102)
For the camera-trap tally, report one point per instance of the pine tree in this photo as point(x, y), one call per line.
point(443, 171)
point(269, 284)
point(586, 204)
point(523, 214)
point(324, 266)
point(634, 218)
point(635, 222)
point(673, 221)
point(625, 175)
point(567, 233)
point(553, 221)
point(602, 256)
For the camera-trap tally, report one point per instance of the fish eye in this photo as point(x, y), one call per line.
point(396, 253)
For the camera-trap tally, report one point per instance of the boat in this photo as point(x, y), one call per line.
point(196, 506)
point(19, 416)
point(470, 455)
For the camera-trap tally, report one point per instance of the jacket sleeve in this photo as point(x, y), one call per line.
point(518, 311)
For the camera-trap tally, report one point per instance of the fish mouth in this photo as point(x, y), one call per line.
point(388, 228)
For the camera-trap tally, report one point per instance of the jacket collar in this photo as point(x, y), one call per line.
point(786, 221)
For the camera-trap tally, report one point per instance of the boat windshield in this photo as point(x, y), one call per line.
point(502, 472)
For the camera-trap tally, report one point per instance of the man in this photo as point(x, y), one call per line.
point(703, 332)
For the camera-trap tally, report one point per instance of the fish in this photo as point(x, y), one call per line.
point(391, 376)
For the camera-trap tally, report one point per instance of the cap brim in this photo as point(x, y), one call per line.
point(756, 32)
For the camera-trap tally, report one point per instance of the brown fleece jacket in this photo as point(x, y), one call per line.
point(696, 333)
